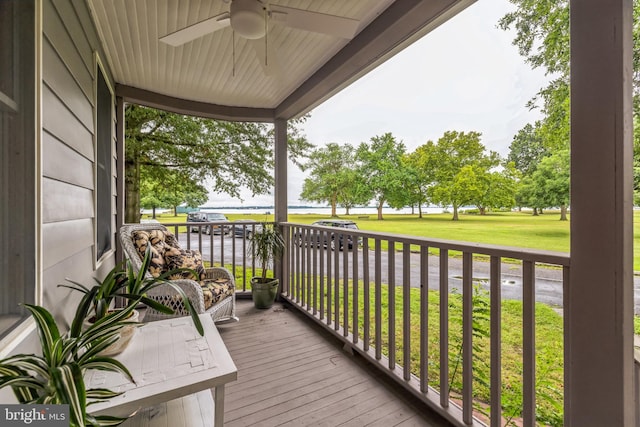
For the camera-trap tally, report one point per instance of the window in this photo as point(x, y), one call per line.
point(104, 159)
point(18, 157)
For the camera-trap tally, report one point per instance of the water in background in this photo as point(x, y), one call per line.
point(318, 210)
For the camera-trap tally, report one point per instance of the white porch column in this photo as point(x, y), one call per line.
point(599, 298)
point(280, 193)
point(281, 202)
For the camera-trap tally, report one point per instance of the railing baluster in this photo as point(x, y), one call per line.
point(367, 293)
point(336, 294)
point(305, 272)
point(221, 244)
point(310, 246)
point(300, 251)
point(286, 272)
point(444, 328)
point(496, 342)
point(329, 287)
point(424, 319)
point(355, 287)
point(322, 275)
point(378, 308)
point(391, 278)
point(467, 337)
point(528, 344)
point(233, 251)
point(345, 284)
point(314, 291)
point(406, 310)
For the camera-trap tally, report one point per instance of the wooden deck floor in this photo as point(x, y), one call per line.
point(291, 373)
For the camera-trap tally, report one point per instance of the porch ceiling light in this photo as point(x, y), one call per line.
point(248, 18)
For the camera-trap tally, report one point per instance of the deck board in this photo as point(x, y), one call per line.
point(291, 373)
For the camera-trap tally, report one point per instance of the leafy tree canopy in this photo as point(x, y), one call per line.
point(227, 156)
point(461, 160)
point(332, 178)
point(381, 166)
point(550, 183)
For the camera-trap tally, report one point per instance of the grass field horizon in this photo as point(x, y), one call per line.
point(515, 229)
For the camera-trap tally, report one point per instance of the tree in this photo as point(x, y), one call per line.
point(422, 166)
point(550, 182)
point(331, 178)
point(527, 149)
point(461, 158)
point(380, 165)
point(228, 156)
point(497, 189)
point(542, 37)
point(354, 192)
point(174, 191)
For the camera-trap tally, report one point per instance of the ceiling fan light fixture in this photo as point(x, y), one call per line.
point(247, 18)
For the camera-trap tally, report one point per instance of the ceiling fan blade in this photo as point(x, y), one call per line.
point(199, 29)
point(314, 21)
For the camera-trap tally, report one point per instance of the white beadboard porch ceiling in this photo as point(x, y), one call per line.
point(203, 70)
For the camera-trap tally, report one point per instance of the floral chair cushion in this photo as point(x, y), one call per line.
point(215, 291)
point(155, 239)
point(184, 258)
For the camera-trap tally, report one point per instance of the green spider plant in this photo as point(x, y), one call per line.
point(57, 376)
point(133, 287)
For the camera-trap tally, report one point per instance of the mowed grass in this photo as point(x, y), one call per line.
point(519, 229)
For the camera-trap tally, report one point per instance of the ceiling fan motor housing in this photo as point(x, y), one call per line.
point(248, 18)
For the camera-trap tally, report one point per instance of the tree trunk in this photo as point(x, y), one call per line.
point(154, 212)
point(483, 210)
point(419, 211)
point(380, 210)
point(563, 212)
point(535, 211)
point(132, 192)
point(455, 213)
point(334, 204)
point(346, 210)
point(175, 211)
point(413, 209)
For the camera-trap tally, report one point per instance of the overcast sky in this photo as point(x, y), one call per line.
point(464, 76)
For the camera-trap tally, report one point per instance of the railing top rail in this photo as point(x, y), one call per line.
point(525, 254)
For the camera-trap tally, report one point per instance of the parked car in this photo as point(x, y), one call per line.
point(334, 240)
point(209, 217)
point(245, 228)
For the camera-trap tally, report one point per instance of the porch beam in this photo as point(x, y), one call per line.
point(193, 108)
point(599, 301)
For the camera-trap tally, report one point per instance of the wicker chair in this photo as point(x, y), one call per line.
point(221, 311)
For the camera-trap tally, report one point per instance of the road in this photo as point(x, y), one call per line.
point(548, 280)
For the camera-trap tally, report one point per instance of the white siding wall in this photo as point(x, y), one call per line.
point(68, 209)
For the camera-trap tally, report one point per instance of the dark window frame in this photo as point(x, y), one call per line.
point(104, 149)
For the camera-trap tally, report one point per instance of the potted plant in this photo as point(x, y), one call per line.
point(265, 246)
point(57, 375)
point(98, 301)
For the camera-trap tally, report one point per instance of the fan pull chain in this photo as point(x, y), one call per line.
point(233, 53)
point(266, 40)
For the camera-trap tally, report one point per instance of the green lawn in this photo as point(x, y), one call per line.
point(545, 232)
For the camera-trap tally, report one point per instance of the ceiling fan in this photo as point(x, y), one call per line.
point(250, 19)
